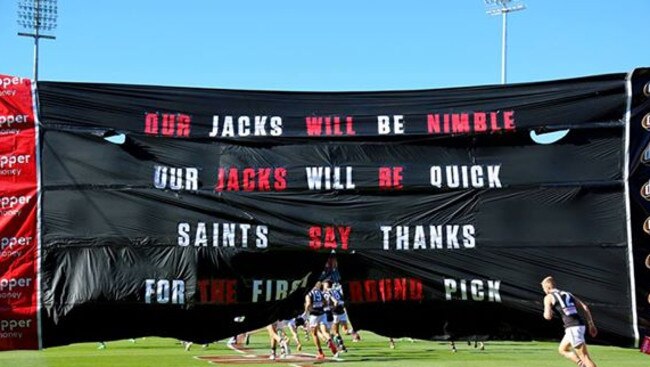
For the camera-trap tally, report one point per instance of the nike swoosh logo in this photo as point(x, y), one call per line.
point(548, 138)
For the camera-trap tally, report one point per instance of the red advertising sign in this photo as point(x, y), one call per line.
point(18, 216)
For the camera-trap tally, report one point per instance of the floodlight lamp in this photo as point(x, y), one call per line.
point(42, 14)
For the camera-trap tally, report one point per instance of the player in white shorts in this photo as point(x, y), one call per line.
point(340, 316)
point(314, 307)
point(565, 305)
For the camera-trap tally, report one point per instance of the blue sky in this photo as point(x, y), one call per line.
point(328, 45)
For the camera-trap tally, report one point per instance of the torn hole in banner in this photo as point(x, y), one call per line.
point(550, 137)
point(114, 137)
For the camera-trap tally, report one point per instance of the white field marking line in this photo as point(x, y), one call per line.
point(302, 354)
point(234, 347)
point(338, 359)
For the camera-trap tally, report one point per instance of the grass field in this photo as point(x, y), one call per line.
point(372, 351)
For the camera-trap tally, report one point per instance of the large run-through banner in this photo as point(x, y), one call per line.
point(130, 211)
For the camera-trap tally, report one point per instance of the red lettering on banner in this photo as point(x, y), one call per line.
point(509, 120)
point(18, 199)
point(217, 291)
point(314, 125)
point(415, 289)
point(349, 127)
point(329, 125)
point(400, 289)
point(251, 179)
point(433, 124)
point(314, 237)
point(183, 126)
point(168, 124)
point(386, 290)
point(474, 122)
point(173, 124)
point(329, 237)
point(390, 178)
point(494, 123)
point(264, 179)
point(356, 294)
point(479, 122)
point(344, 234)
point(233, 180)
point(370, 289)
point(220, 180)
point(460, 123)
point(280, 175)
point(151, 123)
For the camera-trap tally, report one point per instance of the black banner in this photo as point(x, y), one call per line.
point(639, 190)
point(210, 212)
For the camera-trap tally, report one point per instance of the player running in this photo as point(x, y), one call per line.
point(315, 308)
point(339, 314)
point(564, 304)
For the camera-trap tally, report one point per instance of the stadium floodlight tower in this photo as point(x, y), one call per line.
point(503, 7)
point(38, 17)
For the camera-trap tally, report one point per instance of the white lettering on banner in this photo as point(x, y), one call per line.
point(266, 290)
point(11, 172)
point(164, 291)
point(7, 93)
point(390, 125)
point(8, 284)
point(223, 235)
point(465, 177)
point(9, 243)
point(8, 202)
point(10, 325)
point(186, 178)
point(9, 161)
point(10, 212)
point(329, 178)
point(11, 335)
point(244, 126)
point(11, 81)
point(429, 237)
point(10, 295)
point(9, 120)
point(457, 290)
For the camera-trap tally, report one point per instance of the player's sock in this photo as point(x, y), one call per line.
point(331, 345)
point(339, 340)
point(341, 345)
point(284, 348)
